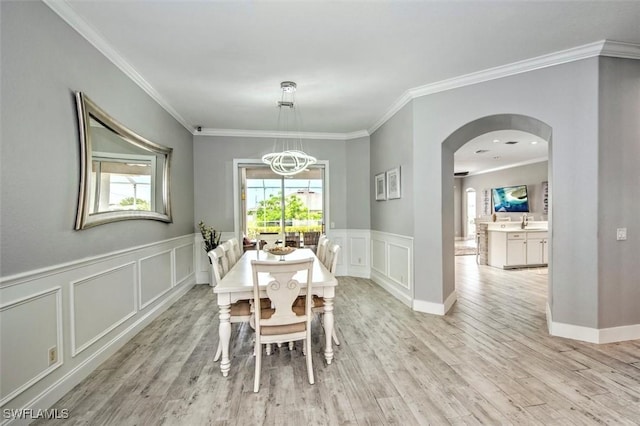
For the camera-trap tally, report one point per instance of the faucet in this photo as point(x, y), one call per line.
point(525, 221)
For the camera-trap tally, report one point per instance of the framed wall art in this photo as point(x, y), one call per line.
point(381, 186)
point(393, 183)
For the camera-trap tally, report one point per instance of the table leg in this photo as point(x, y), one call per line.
point(225, 335)
point(328, 329)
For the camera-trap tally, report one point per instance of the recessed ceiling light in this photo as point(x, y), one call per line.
point(534, 142)
point(496, 140)
point(482, 151)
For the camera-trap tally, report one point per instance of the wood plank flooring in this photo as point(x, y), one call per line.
point(490, 361)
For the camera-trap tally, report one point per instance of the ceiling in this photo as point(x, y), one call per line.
point(219, 64)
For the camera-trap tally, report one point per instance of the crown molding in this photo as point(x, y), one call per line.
point(600, 48)
point(66, 12)
point(619, 49)
point(282, 135)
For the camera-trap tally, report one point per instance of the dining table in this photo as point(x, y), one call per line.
point(237, 284)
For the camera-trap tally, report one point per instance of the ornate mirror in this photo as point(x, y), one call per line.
point(122, 175)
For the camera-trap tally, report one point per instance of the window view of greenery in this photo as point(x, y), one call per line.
point(302, 205)
point(120, 185)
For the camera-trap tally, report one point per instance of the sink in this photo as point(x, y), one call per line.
point(535, 229)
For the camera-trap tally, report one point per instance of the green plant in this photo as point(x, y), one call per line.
point(210, 236)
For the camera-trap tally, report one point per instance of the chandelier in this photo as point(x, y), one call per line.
point(288, 158)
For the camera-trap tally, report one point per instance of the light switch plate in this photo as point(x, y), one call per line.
point(621, 234)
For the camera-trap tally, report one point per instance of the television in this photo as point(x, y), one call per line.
point(510, 199)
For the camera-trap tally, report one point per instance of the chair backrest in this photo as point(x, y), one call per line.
point(219, 265)
point(292, 239)
point(236, 247)
point(270, 238)
point(321, 251)
point(311, 238)
point(229, 253)
point(331, 258)
point(283, 290)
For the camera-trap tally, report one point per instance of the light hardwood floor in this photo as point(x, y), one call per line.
point(489, 361)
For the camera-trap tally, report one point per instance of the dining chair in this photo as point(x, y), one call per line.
point(240, 310)
point(310, 239)
point(323, 242)
point(283, 322)
point(292, 239)
point(268, 239)
point(229, 251)
point(236, 247)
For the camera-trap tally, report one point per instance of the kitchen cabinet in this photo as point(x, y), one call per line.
point(517, 249)
point(537, 252)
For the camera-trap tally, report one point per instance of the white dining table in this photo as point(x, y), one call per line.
point(237, 284)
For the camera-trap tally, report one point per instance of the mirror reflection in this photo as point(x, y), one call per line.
point(124, 176)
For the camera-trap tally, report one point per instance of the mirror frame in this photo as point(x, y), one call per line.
point(87, 109)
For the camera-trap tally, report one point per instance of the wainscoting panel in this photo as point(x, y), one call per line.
point(392, 264)
point(24, 351)
point(155, 277)
point(357, 249)
point(185, 257)
point(86, 308)
point(100, 303)
point(399, 264)
point(378, 254)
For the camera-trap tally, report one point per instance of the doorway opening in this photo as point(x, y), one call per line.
point(479, 184)
point(471, 214)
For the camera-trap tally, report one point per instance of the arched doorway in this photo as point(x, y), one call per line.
point(456, 140)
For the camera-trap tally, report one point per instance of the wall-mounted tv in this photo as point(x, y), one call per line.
point(511, 199)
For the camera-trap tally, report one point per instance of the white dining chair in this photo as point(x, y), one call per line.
point(283, 322)
point(321, 250)
point(236, 247)
point(230, 253)
point(240, 310)
point(269, 239)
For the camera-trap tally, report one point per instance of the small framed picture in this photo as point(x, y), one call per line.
point(393, 183)
point(381, 186)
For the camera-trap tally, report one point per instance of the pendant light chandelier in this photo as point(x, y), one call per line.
point(288, 158)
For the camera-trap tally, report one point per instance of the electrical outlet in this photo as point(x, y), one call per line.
point(53, 355)
point(621, 234)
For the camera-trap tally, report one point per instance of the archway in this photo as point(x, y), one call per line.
point(456, 140)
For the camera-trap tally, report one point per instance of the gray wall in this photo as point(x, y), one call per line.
point(359, 191)
point(213, 170)
point(619, 192)
point(564, 97)
point(458, 216)
point(43, 62)
point(391, 147)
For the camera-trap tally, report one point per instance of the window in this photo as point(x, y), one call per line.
point(272, 203)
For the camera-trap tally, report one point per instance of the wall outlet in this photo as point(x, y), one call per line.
point(53, 355)
point(621, 234)
point(333, 225)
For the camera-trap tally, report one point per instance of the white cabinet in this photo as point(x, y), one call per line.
point(537, 253)
point(516, 249)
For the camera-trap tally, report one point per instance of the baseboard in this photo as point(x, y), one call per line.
point(379, 279)
point(58, 389)
point(435, 308)
point(592, 335)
